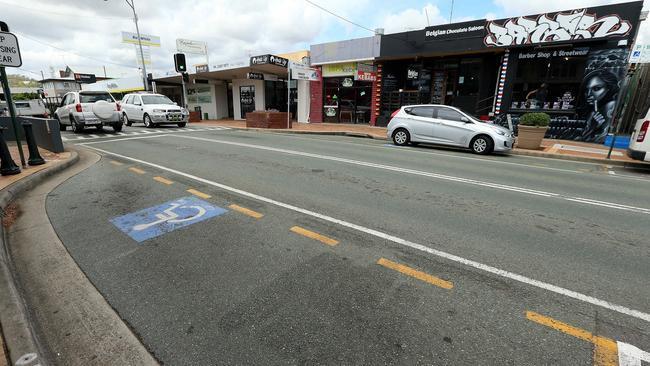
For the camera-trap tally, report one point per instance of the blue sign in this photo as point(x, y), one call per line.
point(158, 220)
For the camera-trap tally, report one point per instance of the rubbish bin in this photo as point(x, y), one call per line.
point(205, 115)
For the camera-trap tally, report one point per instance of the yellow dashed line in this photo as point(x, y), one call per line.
point(163, 180)
point(199, 193)
point(605, 349)
point(116, 163)
point(137, 170)
point(246, 211)
point(316, 236)
point(422, 276)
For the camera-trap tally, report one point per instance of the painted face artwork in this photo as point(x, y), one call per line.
point(595, 90)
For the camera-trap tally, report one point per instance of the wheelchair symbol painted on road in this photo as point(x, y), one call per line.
point(158, 220)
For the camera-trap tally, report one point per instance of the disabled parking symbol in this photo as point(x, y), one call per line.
point(159, 220)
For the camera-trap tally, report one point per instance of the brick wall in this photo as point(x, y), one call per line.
point(316, 98)
point(375, 101)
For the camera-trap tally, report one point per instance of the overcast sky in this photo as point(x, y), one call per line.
point(86, 34)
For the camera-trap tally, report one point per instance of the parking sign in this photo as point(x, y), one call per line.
point(9, 50)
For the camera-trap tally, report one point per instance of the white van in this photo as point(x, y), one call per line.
point(640, 141)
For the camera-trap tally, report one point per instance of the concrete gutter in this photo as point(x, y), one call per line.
point(303, 132)
point(23, 345)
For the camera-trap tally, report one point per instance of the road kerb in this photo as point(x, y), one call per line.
point(412, 272)
point(313, 235)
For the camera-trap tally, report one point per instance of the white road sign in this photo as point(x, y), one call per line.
point(189, 46)
point(145, 39)
point(9, 51)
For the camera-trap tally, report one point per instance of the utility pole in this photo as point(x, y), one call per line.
point(137, 29)
point(451, 12)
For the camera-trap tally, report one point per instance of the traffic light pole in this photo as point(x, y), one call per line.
point(184, 91)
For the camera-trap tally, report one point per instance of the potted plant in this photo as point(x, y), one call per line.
point(532, 128)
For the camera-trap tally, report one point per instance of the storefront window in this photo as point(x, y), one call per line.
point(347, 100)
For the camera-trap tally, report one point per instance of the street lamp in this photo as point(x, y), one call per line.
point(137, 29)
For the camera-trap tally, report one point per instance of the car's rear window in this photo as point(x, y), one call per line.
point(92, 98)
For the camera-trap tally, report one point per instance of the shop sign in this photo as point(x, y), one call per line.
point(330, 111)
point(255, 76)
point(269, 59)
point(189, 46)
point(304, 73)
point(145, 39)
point(365, 76)
point(412, 74)
point(344, 69)
point(583, 51)
point(640, 54)
point(561, 26)
point(270, 77)
point(85, 78)
point(347, 82)
point(202, 68)
point(474, 28)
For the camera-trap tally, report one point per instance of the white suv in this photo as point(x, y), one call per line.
point(81, 109)
point(152, 110)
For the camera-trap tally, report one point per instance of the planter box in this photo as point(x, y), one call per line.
point(530, 137)
point(267, 120)
point(195, 116)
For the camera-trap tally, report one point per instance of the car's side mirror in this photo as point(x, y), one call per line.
point(464, 119)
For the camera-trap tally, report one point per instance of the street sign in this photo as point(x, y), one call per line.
point(189, 46)
point(162, 219)
point(640, 54)
point(145, 39)
point(85, 78)
point(9, 50)
point(303, 73)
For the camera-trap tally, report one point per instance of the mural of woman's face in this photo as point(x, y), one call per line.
point(595, 90)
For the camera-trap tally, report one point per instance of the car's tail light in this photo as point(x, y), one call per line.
point(643, 131)
point(78, 107)
point(117, 105)
point(394, 113)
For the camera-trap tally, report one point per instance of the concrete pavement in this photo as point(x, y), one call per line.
point(392, 262)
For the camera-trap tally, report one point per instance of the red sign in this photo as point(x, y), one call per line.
point(366, 76)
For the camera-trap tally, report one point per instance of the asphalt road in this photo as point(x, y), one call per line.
point(349, 251)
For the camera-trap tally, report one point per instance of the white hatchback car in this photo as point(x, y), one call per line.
point(445, 125)
point(639, 148)
point(152, 110)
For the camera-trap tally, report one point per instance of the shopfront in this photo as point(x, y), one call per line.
point(568, 64)
point(346, 91)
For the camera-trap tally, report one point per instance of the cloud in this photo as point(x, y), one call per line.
point(90, 31)
point(411, 19)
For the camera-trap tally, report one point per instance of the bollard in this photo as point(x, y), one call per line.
point(34, 156)
point(7, 165)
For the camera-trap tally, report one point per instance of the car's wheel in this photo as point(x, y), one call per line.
point(126, 120)
point(182, 124)
point(76, 127)
point(62, 127)
point(117, 127)
point(147, 121)
point(481, 144)
point(100, 127)
point(401, 137)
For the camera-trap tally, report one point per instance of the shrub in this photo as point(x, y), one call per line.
point(535, 119)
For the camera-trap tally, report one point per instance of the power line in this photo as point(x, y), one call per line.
point(72, 53)
point(59, 14)
point(339, 16)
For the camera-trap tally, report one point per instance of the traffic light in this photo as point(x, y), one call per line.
point(179, 62)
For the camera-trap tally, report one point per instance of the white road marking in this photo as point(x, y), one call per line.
point(629, 355)
point(535, 192)
point(93, 136)
point(451, 257)
point(138, 132)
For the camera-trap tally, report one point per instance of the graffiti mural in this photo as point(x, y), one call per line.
point(578, 24)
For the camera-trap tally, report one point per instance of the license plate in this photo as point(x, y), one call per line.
point(92, 122)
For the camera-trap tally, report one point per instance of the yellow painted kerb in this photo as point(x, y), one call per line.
point(605, 349)
point(246, 211)
point(422, 276)
point(316, 236)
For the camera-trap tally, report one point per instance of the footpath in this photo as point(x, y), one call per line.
point(556, 149)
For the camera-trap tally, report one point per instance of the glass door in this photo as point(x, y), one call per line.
point(247, 99)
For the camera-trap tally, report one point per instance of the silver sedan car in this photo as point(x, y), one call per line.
point(445, 125)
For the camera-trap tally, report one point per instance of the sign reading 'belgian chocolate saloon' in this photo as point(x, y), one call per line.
point(474, 28)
